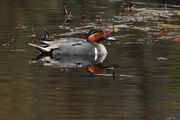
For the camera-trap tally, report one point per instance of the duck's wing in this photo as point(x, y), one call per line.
point(76, 48)
point(62, 40)
point(41, 47)
point(48, 46)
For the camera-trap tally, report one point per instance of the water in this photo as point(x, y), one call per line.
point(141, 83)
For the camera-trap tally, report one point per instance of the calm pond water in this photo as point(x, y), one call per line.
point(139, 79)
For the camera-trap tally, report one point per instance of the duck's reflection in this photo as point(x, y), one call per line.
point(68, 61)
point(101, 70)
point(93, 63)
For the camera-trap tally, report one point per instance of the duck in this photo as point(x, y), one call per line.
point(76, 46)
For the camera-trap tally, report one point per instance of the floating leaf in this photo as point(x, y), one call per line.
point(162, 58)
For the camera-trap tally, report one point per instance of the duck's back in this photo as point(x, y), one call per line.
point(74, 46)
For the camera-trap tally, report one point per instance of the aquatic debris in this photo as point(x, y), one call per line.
point(115, 75)
point(78, 28)
point(170, 37)
point(21, 27)
point(175, 6)
point(168, 26)
point(115, 28)
point(57, 88)
point(122, 36)
point(126, 7)
point(130, 43)
point(99, 19)
point(33, 34)
point(138, 3)
point(83, 19)
point(156, 12)
point(43, 36)
point(87, 26)
point(68, 15)
point(153, 12)
point(64, 27)
point(146, 29)
point(100, 7)
point(168, 32)
point(146, 14)
point(18, 50)
point(162, 58)
point(119, 26)
point(7, 44)
point(69, 34)
point(134, 18)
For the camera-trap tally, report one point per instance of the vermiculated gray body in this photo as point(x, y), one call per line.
point(75, 47)
point(71, 46)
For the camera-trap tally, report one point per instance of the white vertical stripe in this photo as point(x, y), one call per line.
point(95, 53)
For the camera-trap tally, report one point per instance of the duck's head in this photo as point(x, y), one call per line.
point(97, 35)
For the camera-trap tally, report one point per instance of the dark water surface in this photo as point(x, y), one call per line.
point(146, 85)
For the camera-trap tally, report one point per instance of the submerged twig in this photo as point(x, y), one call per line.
point(7, 44)
point(68, 14)
point(114, 75)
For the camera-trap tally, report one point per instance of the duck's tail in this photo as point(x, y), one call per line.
point(41, 47)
